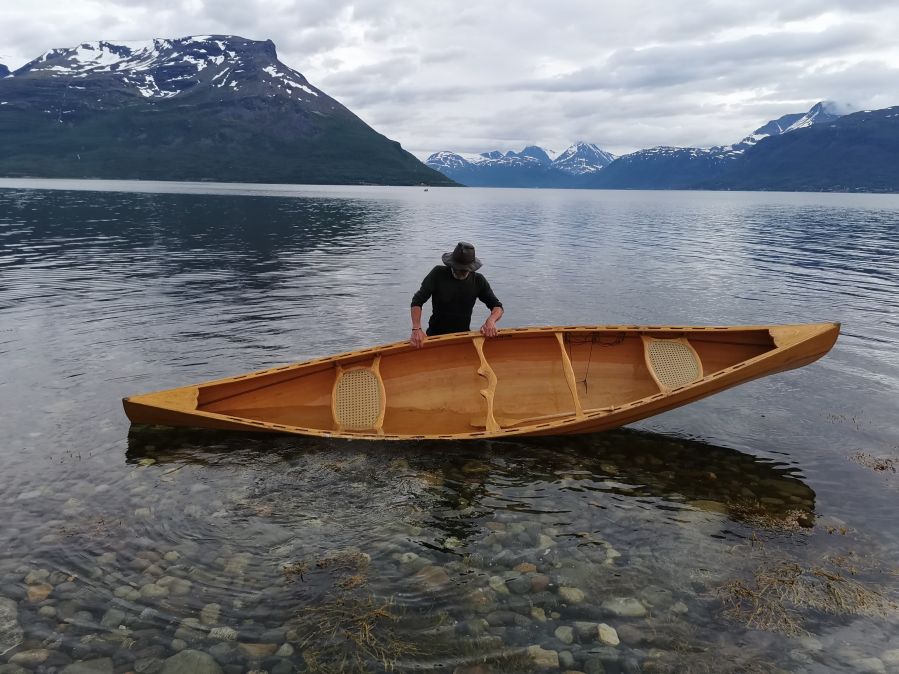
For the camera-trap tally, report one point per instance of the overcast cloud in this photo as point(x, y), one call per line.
point(477, 76)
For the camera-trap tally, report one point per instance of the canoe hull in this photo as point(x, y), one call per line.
point(526, 381)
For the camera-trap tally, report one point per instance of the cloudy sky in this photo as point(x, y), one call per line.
point(500, 74)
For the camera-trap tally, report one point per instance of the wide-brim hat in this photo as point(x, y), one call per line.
point(462, 258)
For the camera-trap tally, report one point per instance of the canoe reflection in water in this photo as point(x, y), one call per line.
point(522, 475)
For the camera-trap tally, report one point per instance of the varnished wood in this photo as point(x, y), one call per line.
point(569, 376)
point(486, 371)
point(539, 381)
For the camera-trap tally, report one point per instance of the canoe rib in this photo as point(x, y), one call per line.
point(433, 393)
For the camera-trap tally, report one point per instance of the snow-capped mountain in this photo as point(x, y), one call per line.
point(587, 165)
point(820, 113)
point(216, 107)
point(534, 166)
point(583, 158)
point(167, 68)
point(684, 167)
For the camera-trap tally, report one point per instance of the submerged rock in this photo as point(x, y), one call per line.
point(191, 662)
point(11, 634)
point(97, 666)
point(543, 658)
point(627, 607)
point(608, 635)
point(30, 658)
point(571, 594)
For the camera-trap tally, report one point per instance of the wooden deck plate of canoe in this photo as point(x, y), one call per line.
point(525, 381)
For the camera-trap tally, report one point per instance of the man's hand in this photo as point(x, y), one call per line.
point(418, 338)
point(489, 328)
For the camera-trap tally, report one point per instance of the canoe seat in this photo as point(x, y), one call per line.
point(357, 399)
point(673, 362)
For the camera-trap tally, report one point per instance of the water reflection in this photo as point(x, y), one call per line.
point(665, 471)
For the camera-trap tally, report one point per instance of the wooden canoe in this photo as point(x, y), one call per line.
point(525, 381)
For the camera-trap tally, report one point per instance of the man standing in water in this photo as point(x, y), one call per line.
point(454, 286)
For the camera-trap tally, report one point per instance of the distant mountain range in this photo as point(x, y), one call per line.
point(532, 167)
point(213, 107)
point(819, 150)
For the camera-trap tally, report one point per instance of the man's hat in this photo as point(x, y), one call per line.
point(462, 258)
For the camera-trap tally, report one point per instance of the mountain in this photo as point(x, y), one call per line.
point(532, 167)
point(688, 168)
point(4, 71)
point(214, 107)
point(582, 158)
point(855, 152)
point(664, 168)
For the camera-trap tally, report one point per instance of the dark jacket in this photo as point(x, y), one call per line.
point(453, 299)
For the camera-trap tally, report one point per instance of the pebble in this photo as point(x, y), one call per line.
point(627, 607)
point(538, 614)
point(565, 634)
point(37, 593)
point(498, 585)
point(519, 585)
point(30, 658)
point(571, 594)
point(258, 651)
point(608, 635)
point(539, 582)
point(545, 659)
point(869, 666)
point(433, 576)
point(96, 666)
point(209, 614)
point(223, 634)
point(191, 662)
point(153, 591)
point(112, 619)
point(37, 576)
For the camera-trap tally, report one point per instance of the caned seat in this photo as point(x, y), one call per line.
point(672, 362)
point(358, 400)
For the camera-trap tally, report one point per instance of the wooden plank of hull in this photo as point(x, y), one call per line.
point(596, 381)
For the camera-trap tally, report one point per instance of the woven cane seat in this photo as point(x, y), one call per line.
point(357, 400)
point(673, 362)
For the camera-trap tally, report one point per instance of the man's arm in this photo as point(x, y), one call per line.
point(485, 294)
point(489, 327)
point(418, 336)
point(423, 295)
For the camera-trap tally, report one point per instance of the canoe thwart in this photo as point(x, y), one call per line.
point(569, 375)
point(672, 362)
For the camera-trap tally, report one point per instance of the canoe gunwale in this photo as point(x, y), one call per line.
point(578, 421)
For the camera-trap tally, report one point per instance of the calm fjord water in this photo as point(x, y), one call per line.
point(647, 549)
